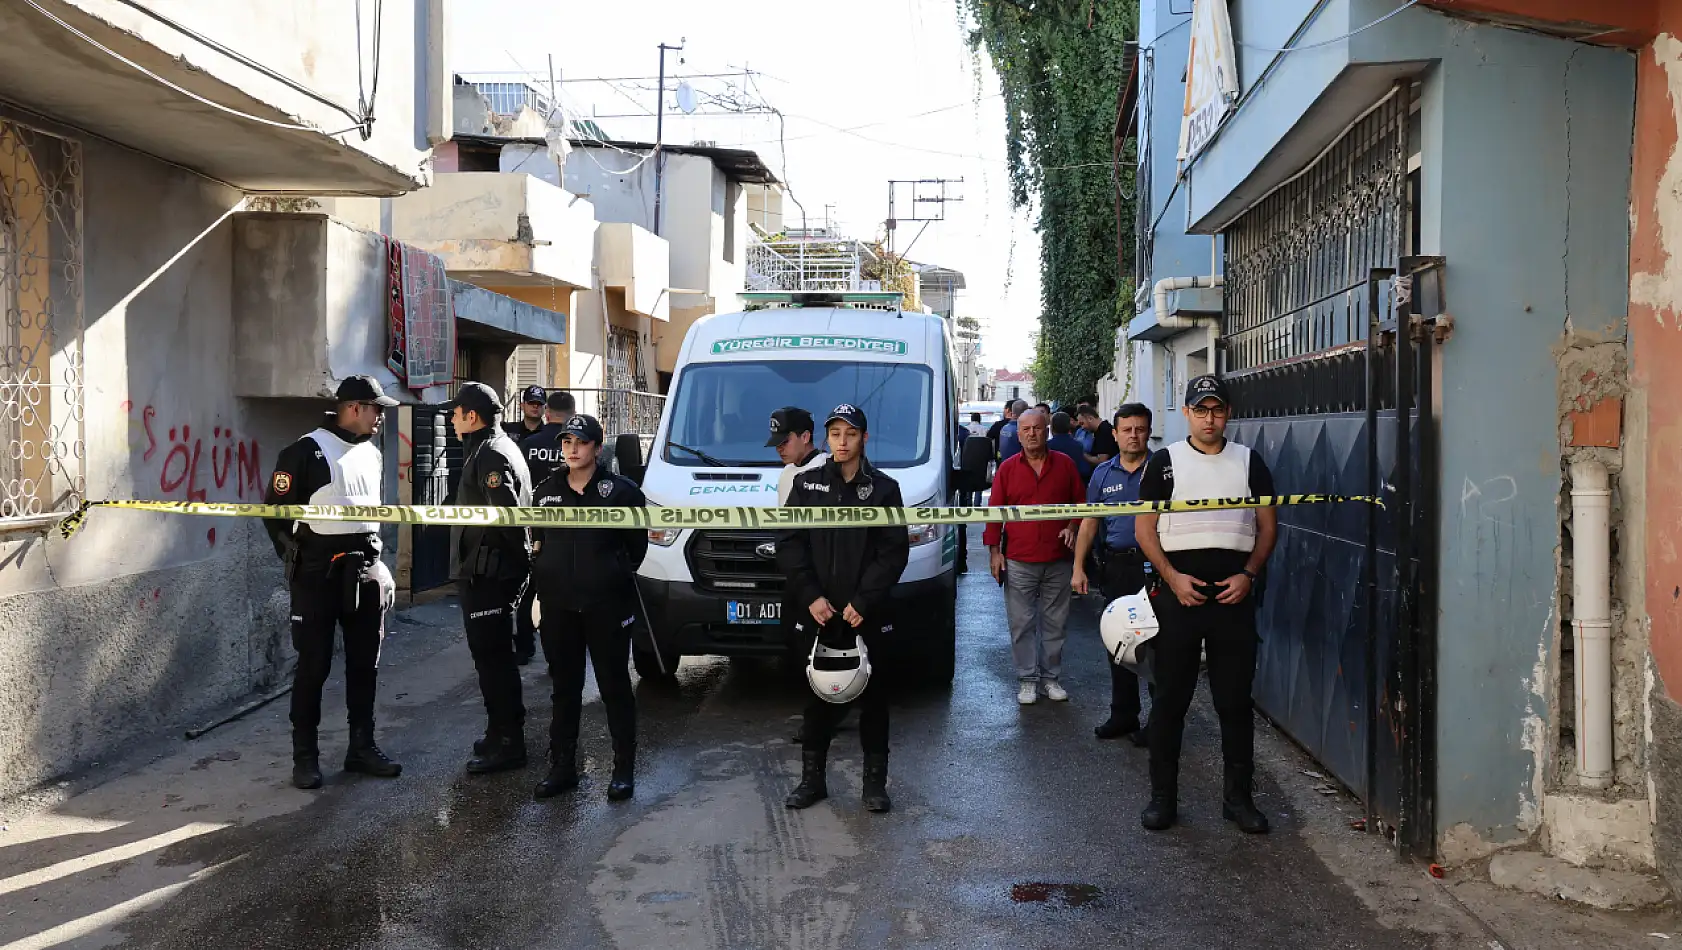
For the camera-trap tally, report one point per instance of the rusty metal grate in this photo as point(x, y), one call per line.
point(1297, 263)
point(42, 469)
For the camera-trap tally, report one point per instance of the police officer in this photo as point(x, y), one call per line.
point(841, 578)
point(530, 423)
point(792, 436)
point(491, 564)
point(335, 574)
point(1208, 562)
point(1124, 569)
point(584, 585)
point(543, 455)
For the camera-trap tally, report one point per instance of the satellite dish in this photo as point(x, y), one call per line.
point(686, 97)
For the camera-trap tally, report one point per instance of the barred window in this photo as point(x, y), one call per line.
point(41, 403)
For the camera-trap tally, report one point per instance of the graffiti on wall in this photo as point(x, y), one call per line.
point(186, 466)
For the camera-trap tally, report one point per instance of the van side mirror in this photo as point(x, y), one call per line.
point(627, 454)
point(974, 460)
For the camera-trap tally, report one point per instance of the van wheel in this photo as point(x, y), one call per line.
point(648, 664)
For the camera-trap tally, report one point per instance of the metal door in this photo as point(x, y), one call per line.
point(1335, 400)
point(436, 469)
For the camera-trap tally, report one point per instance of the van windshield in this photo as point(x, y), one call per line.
point(724, 409)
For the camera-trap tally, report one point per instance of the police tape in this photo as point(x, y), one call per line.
point(714, 518)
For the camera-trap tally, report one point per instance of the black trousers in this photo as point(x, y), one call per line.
point(319, 605)
point(822, 716)
point(1227, 633)
point(487, 611)
point(605, 633)
point(525, 632)
point(1124, 573)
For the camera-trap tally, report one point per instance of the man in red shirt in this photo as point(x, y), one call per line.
point(1036, 562)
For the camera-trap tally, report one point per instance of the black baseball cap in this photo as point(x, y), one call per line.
point(850, 414)
point(787, 421)
point(583, 427)
point(364, 389)
point(1205, 387)
point(477, 397)
point(532, 396)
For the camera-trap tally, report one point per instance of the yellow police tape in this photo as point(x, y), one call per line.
point(716, 518)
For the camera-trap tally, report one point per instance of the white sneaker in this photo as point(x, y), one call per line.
point(1055, 692)
point(1028, 694)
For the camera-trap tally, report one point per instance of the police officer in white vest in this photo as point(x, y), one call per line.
point(1208, 562)
point(335, 574)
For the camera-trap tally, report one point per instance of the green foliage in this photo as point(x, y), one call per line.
point(1060, 63)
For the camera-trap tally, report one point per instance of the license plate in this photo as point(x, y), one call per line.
point(753, 613)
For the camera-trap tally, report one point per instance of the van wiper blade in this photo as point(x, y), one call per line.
point(698, 454)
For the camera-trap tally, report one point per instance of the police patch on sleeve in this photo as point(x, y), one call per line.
point(493, 480)
point(282, 482)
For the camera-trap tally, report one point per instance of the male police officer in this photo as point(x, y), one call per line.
point(543, 456)
point(530, 422)
point(1125, 570)
point(1208, 561)
point(491, 564)
point(791, 436)
point(585, 579)
point(841, 577)
point(335, 575)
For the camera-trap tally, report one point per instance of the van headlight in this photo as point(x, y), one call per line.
point(925, 533)
point(663, 537)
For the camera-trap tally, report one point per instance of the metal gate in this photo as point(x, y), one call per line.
point(1330, 394)
point(436, 470)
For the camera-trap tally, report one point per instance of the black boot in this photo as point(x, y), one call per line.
point(1141, 736)
point(562, 777)
point(813, 787)
point(1162, 811)
point(306, 762)
point(365, 756)
point(624, 782)
point(480, 745)
point(507, 752)
point(876, 784)
point(1238, 806)
point(1116, 726)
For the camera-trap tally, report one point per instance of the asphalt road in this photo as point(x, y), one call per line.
point(1012, 827)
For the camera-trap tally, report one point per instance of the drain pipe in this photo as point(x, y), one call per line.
point(1169, 284)
point(1591, 621)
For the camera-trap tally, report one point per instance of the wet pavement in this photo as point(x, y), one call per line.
point(1012, 827)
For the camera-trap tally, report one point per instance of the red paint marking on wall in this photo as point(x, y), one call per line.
point(181, 474)
point(211, 537)
point(406, 458)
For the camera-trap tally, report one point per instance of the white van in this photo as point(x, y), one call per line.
point(719, 592)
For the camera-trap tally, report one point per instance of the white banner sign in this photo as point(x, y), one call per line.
point(1211, 77)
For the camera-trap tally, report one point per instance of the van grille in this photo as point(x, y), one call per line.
point(727, 562)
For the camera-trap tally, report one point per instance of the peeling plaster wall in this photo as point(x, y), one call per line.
point(1655, 334)
point(1524, 183)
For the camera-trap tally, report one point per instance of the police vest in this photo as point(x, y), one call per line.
point(357, 471)
point(1198, 476)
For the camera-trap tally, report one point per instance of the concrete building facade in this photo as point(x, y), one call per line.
point(126, 371)
point(1497, 138)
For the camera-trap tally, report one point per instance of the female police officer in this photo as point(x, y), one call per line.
point(584, 580)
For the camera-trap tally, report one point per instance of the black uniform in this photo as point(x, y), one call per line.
point(584, 579)
point(542, 449)
point(857, 566)
point(519, 431)
point(334, 580)
point(492, 564)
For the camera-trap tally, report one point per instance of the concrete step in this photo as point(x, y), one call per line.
point(1596, 887)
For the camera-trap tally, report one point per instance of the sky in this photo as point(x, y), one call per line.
point(879, 64)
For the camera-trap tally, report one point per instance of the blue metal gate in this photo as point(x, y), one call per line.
point(1330, 362)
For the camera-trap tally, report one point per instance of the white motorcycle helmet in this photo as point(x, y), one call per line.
point(1128, 623)
point(844, 673)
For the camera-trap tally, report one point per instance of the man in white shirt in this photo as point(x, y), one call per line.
point(791, 436)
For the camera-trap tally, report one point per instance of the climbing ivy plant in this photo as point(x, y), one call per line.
point(1061, 66)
